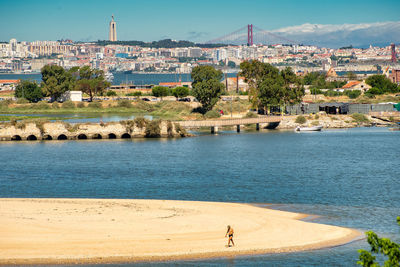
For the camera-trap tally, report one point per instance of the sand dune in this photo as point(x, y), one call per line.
point(93, 230)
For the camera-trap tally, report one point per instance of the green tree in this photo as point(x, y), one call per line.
point(160, 91)
point(91, 81)
point(270, 87)
point(180, 92)
point(311, 77)
point(28, 90)
point(253, 71)
point(207, 86)
point(56, 81)
point(382, 246)
point(382, 83)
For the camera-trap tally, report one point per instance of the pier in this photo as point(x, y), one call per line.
point(216, 124)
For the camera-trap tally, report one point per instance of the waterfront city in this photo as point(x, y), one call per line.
point(220, 133)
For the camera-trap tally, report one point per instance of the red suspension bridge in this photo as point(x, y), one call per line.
point(251, 34)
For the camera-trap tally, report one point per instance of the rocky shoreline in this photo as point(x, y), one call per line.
point(332, 121)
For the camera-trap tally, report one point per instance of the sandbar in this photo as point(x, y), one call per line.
point(62, 231)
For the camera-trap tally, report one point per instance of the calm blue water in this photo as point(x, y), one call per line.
point(349, 177)
point(135, 78)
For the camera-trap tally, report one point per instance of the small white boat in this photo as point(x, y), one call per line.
point(308, 129)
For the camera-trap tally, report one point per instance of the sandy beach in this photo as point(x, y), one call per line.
point(56, 231)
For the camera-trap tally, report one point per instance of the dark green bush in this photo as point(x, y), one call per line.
point(137, 93)
point(353, 94)
point(316, 91)
point(111, 93)
point(375, 91)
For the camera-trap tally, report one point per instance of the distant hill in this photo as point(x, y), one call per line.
point(335, 36)
point(166, 43)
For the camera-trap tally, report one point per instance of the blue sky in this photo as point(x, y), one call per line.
point(197, 20)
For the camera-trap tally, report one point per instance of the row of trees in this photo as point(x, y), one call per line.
point(317, 80)
point(178, 92)
point(267, 85)
point(56, 81)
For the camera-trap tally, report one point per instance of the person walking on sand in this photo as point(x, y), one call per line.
point(230, 233)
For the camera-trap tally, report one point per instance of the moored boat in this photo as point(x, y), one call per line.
point(308, 129)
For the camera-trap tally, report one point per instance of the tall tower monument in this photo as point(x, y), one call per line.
point(113, 30)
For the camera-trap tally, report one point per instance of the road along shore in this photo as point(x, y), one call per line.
point(66, 231)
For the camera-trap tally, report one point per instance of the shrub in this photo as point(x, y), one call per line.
point(68, 105)
point(160, 91)
point(55, 105)
point(129, 125)
point(170, 128)
point(358, 117)
point(95, 105)
point(137, 93)
point(315, 123)
point(180, 91)
point(142, 105)
point(332, 93)
point(22, 101)
point(353, 94)
point(80, 105)
point(316, 91)
point(300, 120)
point(140, 122)
point(124, 103)
point(251, 115)
point(153, 129)
point(212, 114)
point(375, 91)
point(40, 105)
point(316, 116)
point(5, 103)
point(111, 93)
point(180, 130)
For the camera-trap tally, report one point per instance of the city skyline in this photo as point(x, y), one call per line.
point(180, 20)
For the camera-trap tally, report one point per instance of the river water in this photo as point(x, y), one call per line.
point(349, 177)
point(119, 78)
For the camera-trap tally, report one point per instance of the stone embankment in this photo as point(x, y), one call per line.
point(44, 130)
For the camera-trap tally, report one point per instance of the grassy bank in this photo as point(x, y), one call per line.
point(163, 109)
